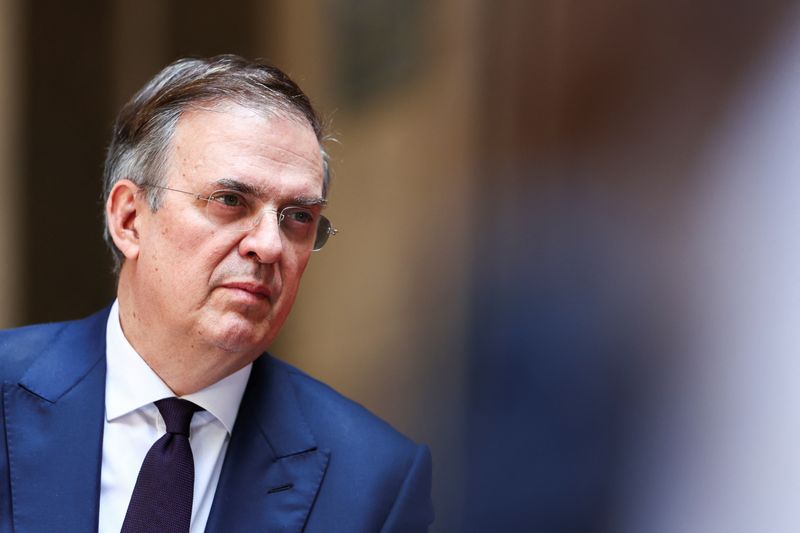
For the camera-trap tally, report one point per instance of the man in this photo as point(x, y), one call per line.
point(214, 185)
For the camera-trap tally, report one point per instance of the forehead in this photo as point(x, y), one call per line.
point(268, 151)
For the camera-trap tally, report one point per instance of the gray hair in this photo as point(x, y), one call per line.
point(143, 130)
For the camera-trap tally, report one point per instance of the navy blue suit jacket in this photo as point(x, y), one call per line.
point(301, 456)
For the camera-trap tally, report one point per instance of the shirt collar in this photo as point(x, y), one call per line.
point(131, 384)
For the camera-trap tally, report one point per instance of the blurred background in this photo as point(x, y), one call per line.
point(568, 256)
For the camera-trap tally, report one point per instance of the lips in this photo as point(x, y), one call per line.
point(257, 290)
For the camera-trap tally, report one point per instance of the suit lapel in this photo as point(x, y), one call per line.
point(54, 422)
point(273, 468)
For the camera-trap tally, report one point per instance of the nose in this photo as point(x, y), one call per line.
point(264, 242)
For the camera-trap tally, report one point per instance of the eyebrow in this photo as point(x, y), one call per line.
point(238, 186)
point(310, 201)
point(246, 188)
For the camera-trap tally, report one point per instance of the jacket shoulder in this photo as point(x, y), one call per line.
point(19, 347)
point(339, 421)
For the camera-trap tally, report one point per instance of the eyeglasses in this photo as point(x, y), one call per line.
point(240, 212)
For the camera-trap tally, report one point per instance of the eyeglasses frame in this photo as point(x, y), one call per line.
point(329, 232)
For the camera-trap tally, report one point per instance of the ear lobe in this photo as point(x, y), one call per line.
point(121, 213)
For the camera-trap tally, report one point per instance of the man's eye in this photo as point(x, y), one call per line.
point(228, 199)
point(300, 216)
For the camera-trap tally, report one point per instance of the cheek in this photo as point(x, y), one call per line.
point(195, 252)
point(176, 270)
point(184, 243)
point(293, 273)
point(302, 263)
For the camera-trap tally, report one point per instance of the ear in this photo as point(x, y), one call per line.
point(122, 208)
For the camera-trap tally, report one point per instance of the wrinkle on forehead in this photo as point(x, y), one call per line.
point(286, 156)
point(269, 148)
point(267, 112)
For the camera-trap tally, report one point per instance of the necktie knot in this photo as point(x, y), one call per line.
point(177, 414)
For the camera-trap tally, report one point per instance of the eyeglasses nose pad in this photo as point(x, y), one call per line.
point(259, 216)
point(256, 220)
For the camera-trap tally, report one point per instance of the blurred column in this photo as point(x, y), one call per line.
point(11, 93)
point(139, 46)
point(595, 116)
point(721, 451)
point(67, 75)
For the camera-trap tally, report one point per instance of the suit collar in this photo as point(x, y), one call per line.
point(278, 412)
point(270, 400)
point(273, 468)
point(54, 430)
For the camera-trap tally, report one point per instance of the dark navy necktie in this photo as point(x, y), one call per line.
point(162, 498)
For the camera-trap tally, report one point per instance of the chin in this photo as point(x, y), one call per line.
point(237, 334)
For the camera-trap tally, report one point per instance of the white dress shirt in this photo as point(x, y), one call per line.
point(133, 424)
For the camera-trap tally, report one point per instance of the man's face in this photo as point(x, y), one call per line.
point(220, 288)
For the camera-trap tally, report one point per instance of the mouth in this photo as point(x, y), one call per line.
point(253, 290)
